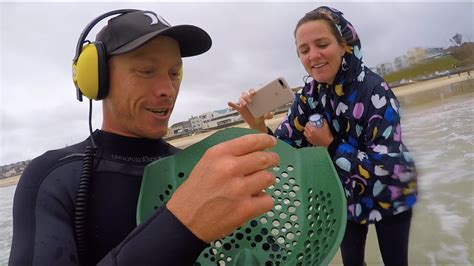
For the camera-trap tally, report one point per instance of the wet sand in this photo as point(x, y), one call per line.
point(418, 93)
point(9, 181)
point(429, 84)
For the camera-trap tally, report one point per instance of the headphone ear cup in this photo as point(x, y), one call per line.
point(103, 71)
point(86, 71)
point(180, 74)
point(90, 71)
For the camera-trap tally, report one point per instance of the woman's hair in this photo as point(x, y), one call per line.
point(324, 15)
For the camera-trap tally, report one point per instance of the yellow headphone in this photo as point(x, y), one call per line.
point(89, 66)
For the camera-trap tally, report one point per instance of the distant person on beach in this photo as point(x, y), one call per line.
point(455, 70)
point(361, 131)
point(141, 59)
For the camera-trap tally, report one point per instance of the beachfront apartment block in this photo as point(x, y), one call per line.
point(205, 121)
point(13, 169)
point(411, 57)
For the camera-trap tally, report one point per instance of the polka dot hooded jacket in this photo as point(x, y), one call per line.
point(375, 168)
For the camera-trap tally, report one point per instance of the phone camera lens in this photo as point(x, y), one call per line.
point(282, 83)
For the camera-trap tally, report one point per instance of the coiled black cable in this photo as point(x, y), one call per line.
point(82, 200)
point(82, 196)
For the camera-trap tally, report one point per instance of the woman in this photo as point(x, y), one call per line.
point(361, 131)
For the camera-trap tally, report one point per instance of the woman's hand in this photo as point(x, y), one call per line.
point(318, 136)
point(241, 107)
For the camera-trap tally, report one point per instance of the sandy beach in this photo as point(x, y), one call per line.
point(423, 86)
point(418, 93)
point(9, 181)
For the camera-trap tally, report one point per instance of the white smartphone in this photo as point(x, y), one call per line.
point(270, 96)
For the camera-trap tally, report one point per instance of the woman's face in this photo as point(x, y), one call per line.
point(318, 50)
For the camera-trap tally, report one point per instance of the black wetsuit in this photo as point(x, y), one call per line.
point(43, 209)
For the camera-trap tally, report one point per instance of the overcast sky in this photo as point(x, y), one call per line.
point(252, 44)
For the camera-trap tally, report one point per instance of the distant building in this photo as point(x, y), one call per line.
point(415, 55)
point(219, 118)
point(384, 69)
point(214, 119)
point(433, 53)
point(203, 122)
point(180, 129)
point(196, 123)
point(411, 57)
point(13, 169)
point(399, 63)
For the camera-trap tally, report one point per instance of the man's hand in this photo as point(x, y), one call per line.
point(224, 190)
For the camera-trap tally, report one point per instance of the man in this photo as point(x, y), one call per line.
point(223, 191)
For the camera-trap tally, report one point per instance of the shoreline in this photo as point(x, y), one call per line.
point(9, 181)
point(410, 96)
point(413, 95)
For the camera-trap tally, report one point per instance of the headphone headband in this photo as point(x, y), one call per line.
point(91, 25)
point(123, 33)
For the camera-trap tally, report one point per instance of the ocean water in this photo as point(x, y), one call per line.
point(441, 139)
point(6, 202)
point(440, 136)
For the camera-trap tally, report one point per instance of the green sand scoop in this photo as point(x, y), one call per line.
point(305, 226)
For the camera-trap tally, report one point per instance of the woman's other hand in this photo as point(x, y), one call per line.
point(318, 136)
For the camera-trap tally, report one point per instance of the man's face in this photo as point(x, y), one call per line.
point(144, 84)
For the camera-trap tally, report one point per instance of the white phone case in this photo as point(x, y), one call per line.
point(270, 96)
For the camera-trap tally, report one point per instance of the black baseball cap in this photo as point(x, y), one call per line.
point(131, 30)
